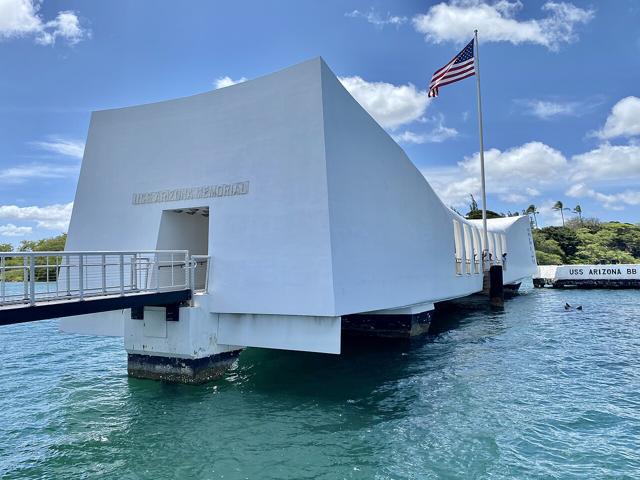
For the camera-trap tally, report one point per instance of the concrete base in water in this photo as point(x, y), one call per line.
point(496, 286)
point(180, 370)
point(387, 325)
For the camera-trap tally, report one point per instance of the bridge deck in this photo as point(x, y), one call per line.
point(40, 285)
point(11, 314)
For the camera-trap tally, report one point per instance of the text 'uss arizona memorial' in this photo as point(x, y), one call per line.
point(208, 191)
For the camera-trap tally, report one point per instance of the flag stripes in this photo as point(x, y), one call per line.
point(459, 68)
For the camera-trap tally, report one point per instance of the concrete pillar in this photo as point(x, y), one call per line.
point(180, 370)
point(394, 323)
point(496, 287)
point(183, 349)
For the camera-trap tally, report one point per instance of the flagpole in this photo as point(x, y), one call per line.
point(484, 194)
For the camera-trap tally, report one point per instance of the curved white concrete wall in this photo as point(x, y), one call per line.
point(337, 219)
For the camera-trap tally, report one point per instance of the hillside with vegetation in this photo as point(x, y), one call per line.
point(580, 240)
point(587, 241)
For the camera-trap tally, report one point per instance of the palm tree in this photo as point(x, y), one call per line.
point(578, 211)
point(531, 210)
point(560, 206)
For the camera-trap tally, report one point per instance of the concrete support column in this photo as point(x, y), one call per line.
point(183, 349)
point(496, 287)
point(394, 323)
point(180, 370)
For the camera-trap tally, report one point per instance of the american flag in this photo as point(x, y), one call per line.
point(461, 66)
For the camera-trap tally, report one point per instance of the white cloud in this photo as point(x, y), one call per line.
point(376, 19)
point(57, 145)
point(545, 109)
point(496, 21)
point(22, 173)
point(531, 162)
point(452, 185)
point(227, 82)
point(61, 146)
point(519, 174)
point(607, 162)
point(438, 134)
point(390, 105)
point(20, 18)
point(50, 217)
point(623, 121)
point(11, 230)
point(613, 201)
point(611, 166)
point(529, 168)
point(514, 198)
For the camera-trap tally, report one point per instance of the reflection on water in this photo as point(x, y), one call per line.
point(531, 391)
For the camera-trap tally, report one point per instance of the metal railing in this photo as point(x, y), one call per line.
point(30, 277)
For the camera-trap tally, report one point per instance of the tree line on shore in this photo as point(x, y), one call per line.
point(53, 244)
point(579, 240)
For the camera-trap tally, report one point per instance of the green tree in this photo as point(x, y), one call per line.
point(590, 223)
point(6, 247)
point(548, 251)
point(578, 211)
point(53, 244)
point(476, 214)
point(532, 210)
point(565, 237)
point(473, 206)
point(590, 242)
point(559, 206)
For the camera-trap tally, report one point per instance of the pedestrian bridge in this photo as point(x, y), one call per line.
point(41, 285)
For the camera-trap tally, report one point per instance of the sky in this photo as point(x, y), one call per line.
point(560, 89)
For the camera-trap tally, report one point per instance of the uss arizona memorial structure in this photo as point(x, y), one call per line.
point(307, 217)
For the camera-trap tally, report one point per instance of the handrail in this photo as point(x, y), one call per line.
point(31, 277)
point(87, 252)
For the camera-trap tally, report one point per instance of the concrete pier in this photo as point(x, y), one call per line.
point(180, 370)
point(399, 323)
point(496, 286)
point(181, 348)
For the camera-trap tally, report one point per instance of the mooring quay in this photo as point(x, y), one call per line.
point(275, 213)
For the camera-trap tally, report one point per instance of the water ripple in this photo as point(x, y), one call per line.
point(533, 392)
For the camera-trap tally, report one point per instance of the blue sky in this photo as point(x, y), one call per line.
point(560, 84)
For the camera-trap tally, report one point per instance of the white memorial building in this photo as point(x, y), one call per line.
point(314, 221)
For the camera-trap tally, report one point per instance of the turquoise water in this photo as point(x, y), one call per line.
point(532, 392)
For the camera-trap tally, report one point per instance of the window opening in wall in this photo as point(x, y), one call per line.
point(477, 250)
point(468, 248)
point(457, 237)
